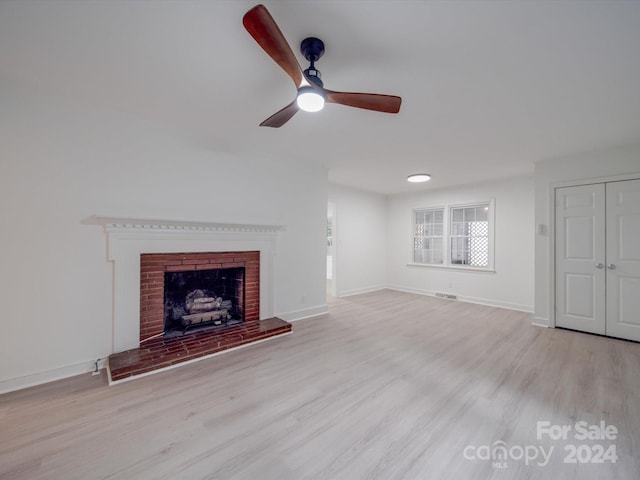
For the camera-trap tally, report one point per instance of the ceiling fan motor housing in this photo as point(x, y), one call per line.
point(312, 49)
point(313, 75)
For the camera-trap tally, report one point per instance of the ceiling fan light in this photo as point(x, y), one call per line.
point(310, 100)
point(419, 178)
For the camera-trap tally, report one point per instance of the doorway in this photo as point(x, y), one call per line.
point(597, 258)
point(331, 249)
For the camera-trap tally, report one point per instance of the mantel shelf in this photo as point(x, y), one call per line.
point(124, 223)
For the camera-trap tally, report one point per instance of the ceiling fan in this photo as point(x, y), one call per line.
point(311, 92)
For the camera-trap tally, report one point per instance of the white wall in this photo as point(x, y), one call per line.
point(609, 164)
point(360, 223)
point(511, 285)
point(61, 163)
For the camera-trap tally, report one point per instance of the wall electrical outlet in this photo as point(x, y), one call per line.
point(98, 365)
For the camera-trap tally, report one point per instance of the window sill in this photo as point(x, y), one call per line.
point(452, 267)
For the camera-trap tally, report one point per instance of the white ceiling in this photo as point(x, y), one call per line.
point(488, 87)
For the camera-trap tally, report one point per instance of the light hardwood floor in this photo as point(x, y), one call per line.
point(389, 385)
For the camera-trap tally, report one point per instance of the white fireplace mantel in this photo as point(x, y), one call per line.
point(128, 238)
point(131, 224)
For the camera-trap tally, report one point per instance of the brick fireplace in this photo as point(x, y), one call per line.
point(154, 268)
point(144, 251)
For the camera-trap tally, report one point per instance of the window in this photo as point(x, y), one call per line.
point(470, 236)
point(466, 230)
point(428, 236)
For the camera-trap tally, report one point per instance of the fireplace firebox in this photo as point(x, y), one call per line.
point(203, 299)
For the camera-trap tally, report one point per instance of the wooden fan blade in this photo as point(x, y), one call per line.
point(263, 28)
point(283, 116)
point(368, 101)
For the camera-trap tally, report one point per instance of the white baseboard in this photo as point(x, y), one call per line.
point(462, 298)
point(417, 291)
point(498, 303)
point(304, 313)
point(47, 376)
point(360, 291)
point(541, 322)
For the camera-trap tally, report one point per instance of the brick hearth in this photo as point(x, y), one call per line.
point(159, 353)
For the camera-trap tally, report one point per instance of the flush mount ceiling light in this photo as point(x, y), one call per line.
point(419, 178)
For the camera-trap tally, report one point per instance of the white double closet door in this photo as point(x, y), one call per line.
point(597, 258)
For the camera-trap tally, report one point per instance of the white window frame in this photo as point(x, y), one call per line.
point(447, 209)
point(415, 211)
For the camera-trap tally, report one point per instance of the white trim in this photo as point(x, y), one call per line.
point(463, 298)
point(551, 260)
point(417, 291)
point(304, 313)
point(187, 362)
point(46, 376)
point(333, 212)
point(465, 268)
point(438, 208)
point(128, 238)
point(359, 291)
point(125, 223)
point(497, 303)
point(540, 322)
point(592, 180)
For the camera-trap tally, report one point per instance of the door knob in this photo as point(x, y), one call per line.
point(611, 266)
point(599, 265)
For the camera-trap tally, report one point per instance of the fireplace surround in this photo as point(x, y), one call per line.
point(128, 239)
point(227, 284)
point(146, 252)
